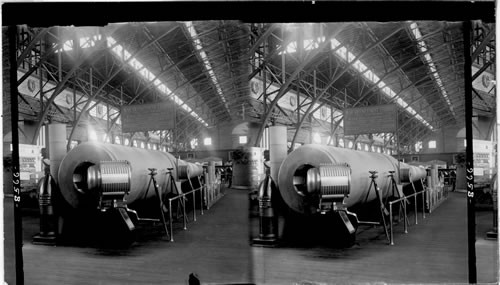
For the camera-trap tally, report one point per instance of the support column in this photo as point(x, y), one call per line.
point(12, 87)
point(471, 215)
point(57, 147)
point(277, 149)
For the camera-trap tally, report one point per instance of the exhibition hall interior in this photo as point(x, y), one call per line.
point(226, 151)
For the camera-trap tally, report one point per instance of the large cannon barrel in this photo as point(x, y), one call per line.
point(342, 171)
point(93, 165)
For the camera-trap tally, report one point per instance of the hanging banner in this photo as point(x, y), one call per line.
point(371, 119)
point(148, 117)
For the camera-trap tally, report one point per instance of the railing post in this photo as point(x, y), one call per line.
point(170, 220)
point(423, 203)
point(184, 218)
point(405, 216)
point(207, 197)
point(391, 222)
point(194, 205)
point(416, 210)
point(202, 197)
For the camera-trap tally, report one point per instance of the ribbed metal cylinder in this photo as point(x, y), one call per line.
point(57, 147)
point(335, 180)
point(183, 171)
point(115, 177)
point(405, 175)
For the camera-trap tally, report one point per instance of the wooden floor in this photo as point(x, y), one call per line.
point(216, 248)
point(434, 251)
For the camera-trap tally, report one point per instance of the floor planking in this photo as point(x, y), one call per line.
point(216, 248)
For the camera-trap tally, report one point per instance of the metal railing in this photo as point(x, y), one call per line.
point(405, 216)
point(183, 205)
point(212, 193)
point(208, 195)
point(436, 196)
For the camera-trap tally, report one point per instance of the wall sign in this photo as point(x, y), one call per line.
point(371, 119)
point(148, 117)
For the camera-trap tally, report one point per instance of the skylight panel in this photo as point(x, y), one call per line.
point(291, 47)
point(368, 74)
point(350, 56)
point(117, 49)
point(145, 73)
point(123, 54)
point(342, 51)
point(309, 45)
point(423, 47)
point(346, 55)
point(68, 45)
point(206, 62)
point(84, 42)
point(359, 66)
point(388, 91)
point(334, 43)
point(126, 55)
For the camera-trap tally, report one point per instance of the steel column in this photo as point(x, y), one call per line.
point(471, 215)
point(18, 230)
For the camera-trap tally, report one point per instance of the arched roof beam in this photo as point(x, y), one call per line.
point(337, 77)
point(165, 71)
point(123, 65)
point(261, 39)
point(42, 60)
point(92, 57)
point(267, 58)
point(292, 77)
point(486, 40)
point(31, 45)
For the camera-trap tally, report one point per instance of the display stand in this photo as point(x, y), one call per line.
point(383, 210)
point(396, 192)
point(152, 173)
point(175, 190)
